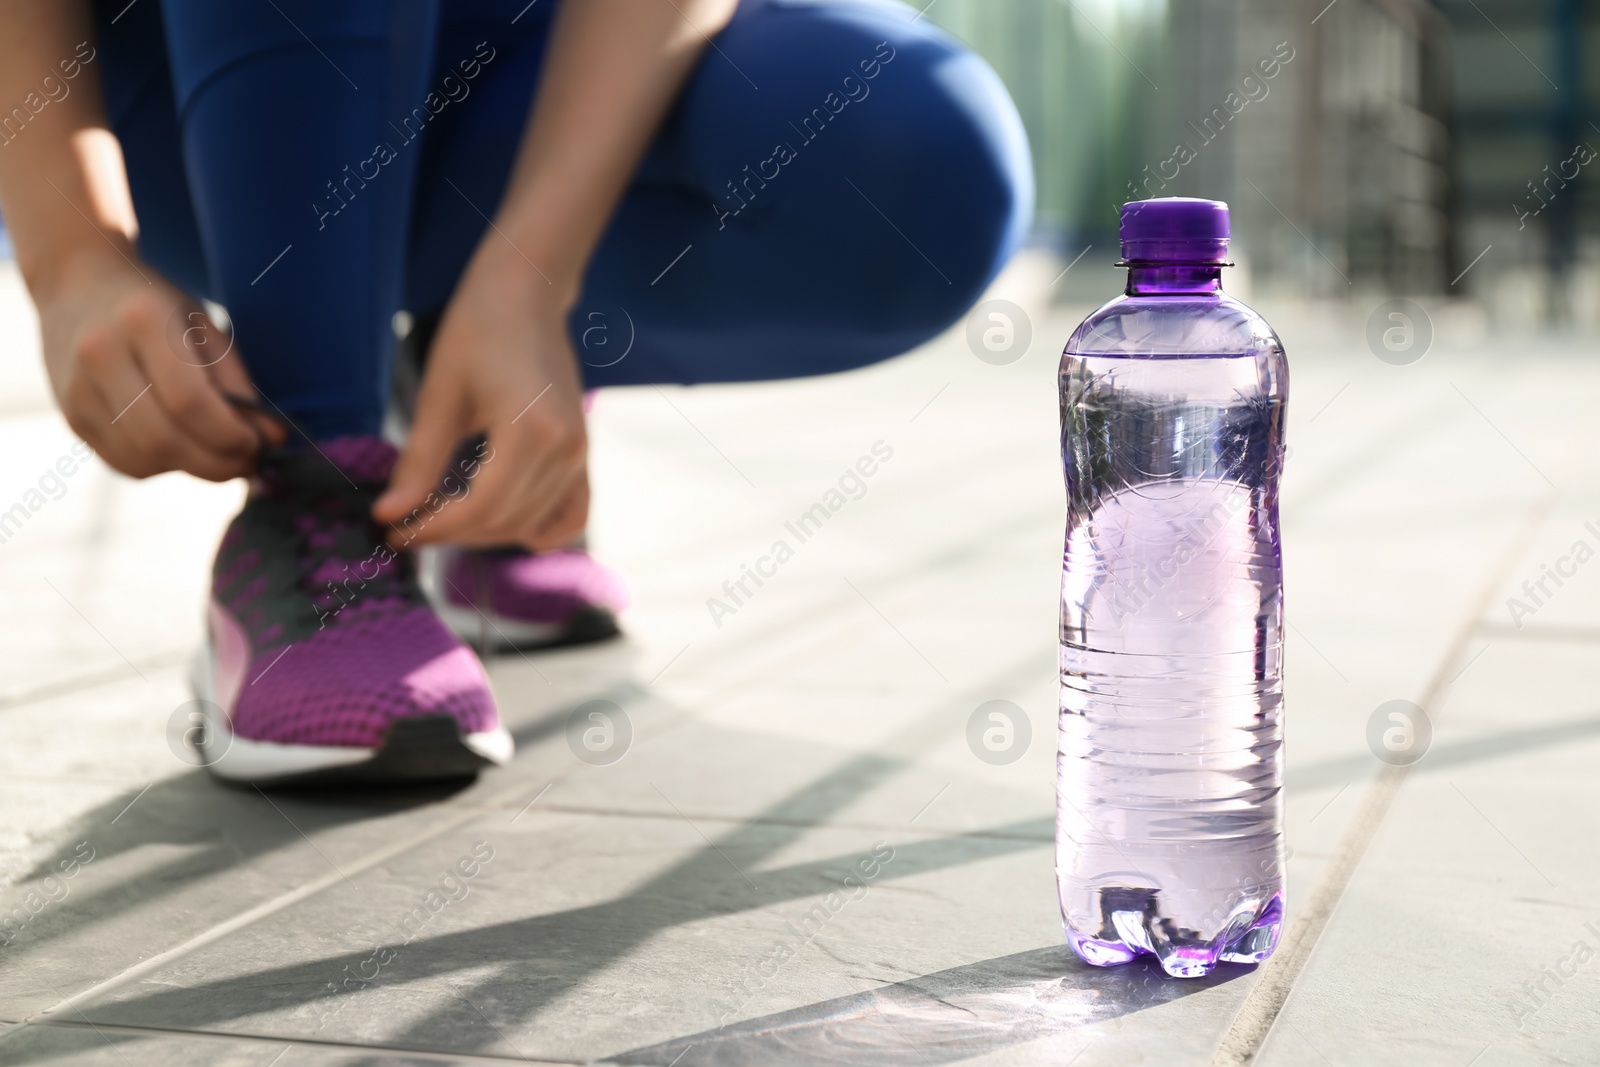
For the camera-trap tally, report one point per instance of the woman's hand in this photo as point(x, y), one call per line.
point(501, 364)
point(140, 373)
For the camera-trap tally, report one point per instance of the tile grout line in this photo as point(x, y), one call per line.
point(1572, 635)
point(147, 1031)
point(268, 907)
point(461, 816)
point(822, 612)
point(1256, 1017)
point(759, 820)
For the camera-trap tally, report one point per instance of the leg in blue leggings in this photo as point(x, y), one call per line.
point(264, 121)
point(835, 185)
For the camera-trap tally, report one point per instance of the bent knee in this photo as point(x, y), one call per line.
point(965, 155)
point(902, 116)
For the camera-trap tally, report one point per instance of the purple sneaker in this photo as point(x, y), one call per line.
point(325, 662)
point(510, 598)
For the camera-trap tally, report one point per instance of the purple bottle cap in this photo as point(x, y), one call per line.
point(1175, 229)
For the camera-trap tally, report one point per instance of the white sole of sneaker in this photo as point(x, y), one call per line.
point(239, 759)
point(488, 630)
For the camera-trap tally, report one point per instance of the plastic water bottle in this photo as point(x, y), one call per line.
point(1169, 779)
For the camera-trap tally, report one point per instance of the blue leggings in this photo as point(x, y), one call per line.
point(836, 184)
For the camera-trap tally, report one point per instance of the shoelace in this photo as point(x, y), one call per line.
point(341, 557)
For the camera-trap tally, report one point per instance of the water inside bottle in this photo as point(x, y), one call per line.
point(1169, 770)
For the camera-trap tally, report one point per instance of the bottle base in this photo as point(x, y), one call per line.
point(1250, 938)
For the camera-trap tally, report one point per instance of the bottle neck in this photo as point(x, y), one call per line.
point(1174, 279)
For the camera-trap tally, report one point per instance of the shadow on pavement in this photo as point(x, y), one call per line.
point(951, 1015)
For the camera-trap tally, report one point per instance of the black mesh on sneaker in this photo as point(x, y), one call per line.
point(305, 551)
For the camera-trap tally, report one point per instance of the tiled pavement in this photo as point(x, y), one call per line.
point(662, 909)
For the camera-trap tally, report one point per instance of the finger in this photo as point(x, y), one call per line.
point(164, 446)
point(545, 461)
point(565, 523)
point(435, 435)
point(142, 440)
point(84, 408)
point(184, 390)
point(537, 500)
point(504, 506)
point(478, 517)
point(100, 396)
point(551, 482)
point(232, 379)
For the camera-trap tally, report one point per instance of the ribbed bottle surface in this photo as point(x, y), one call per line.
point(1169, 810)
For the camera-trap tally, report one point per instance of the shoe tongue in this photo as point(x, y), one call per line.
point(334, 465)
point(364, 458)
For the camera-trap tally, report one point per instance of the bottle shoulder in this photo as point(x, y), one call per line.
point(1197, 325)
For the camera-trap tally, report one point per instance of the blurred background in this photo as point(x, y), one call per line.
point(1366, 146)
point(1393, 142)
